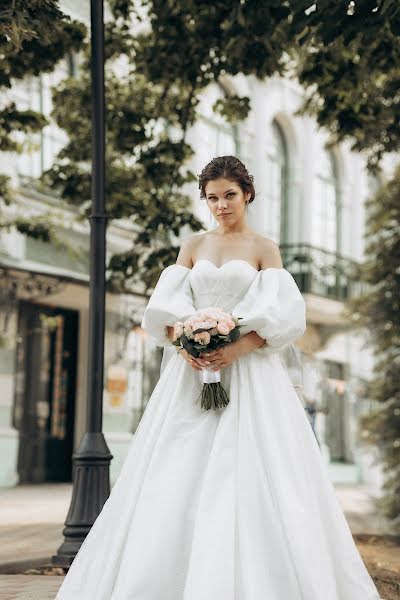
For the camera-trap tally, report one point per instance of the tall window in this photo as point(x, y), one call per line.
point(325, 231)
point(211, 136)
point(277, 185)
point(36, 93)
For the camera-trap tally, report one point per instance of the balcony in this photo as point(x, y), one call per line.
point(321, 273)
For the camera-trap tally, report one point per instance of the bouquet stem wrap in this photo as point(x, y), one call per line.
point(213, 394)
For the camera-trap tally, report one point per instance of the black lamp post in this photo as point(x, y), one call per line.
point(91, 461)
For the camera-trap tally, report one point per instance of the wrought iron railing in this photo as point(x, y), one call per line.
point(318, 271)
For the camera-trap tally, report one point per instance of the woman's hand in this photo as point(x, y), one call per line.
point(195, 363)
point(224, 356)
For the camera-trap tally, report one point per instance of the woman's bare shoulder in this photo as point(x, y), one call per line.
point(188, 247)
point(269, 253)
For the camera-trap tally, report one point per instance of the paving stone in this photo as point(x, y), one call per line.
point(29, 587)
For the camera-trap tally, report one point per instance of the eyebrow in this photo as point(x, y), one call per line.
point(230, 190)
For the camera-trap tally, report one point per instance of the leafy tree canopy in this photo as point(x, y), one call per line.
point(170, 52)
point(34, 36)
point(346, 54)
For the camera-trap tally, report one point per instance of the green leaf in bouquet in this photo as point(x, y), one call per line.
point(190, 347)
point(213, 343)
point(234, 334)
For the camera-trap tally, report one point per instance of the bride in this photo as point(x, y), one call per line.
point(231, 503)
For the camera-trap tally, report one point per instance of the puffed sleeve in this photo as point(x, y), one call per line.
point(273, 307)
point(170, 301)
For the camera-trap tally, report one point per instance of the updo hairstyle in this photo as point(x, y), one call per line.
point(228, 167)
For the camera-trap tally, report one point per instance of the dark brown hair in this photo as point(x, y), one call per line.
point(228, 167)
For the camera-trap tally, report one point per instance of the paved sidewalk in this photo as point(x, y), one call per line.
point(359, 509)
point(29, 587)
point(31, 521)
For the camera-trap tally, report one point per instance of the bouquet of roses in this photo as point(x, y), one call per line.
point(208, 329)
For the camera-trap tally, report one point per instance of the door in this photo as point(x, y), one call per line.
point(45, 386)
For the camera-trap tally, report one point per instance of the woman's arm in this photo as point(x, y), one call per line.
point(251, 341)
point(270, 257)
point(270, 254)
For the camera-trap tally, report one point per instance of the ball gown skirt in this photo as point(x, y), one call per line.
point(233, 504)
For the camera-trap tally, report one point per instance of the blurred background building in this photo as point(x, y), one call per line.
point(309, 199)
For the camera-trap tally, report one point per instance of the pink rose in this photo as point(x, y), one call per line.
point(231, 324)
point(178, 330)
point(187, 329)
point(202, 338)
point(215, 315)
point(201, 315)
point(223, 328)
point(209, 323)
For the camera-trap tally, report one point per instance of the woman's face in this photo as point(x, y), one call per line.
point(226, 200)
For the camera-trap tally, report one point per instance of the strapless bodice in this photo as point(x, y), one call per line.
point(220, 286)
point(268, 300)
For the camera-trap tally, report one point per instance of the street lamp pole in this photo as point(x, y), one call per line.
point(91, 461)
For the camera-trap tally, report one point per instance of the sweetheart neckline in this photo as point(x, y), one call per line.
point(226, 263)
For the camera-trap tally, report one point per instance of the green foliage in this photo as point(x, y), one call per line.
point(144, 166)
point(13, 120)
point(6, 194)
point(349, 59)
point(201, 40)
point(34, 36)
point(233, 108)
point(378, 311)
point(151, 105)
point(347, 55)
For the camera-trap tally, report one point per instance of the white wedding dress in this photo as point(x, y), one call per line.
point(233, 504)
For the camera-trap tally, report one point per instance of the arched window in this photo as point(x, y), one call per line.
point(325, 232)
point(277, 185)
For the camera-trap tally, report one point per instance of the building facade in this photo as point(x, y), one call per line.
point(309, 199)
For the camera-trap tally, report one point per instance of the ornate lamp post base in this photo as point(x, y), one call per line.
point(91, 488)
